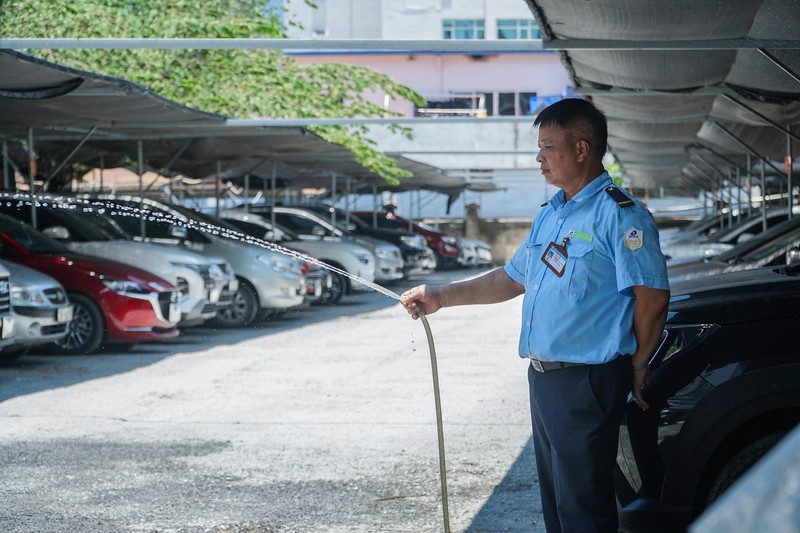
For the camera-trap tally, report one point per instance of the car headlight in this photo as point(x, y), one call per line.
point(679, 338)
point(278, 264)
point(27, 295)
point(449, 240)
point(364, 257)
point(123, 286)
point(383, 252)
point(190, 266)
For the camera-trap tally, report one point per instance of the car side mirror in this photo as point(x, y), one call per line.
point(793, 256)
point(744, 237)
point(59, 233)
point(319, 231)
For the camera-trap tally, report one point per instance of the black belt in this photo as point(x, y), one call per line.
point(549, 366)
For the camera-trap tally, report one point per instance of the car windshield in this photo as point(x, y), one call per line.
point(30, 239)
point(777, 245)
point(735, 253)
point(204, 218)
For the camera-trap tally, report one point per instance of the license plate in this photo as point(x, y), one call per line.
point(64, 314)
point(213, 296)
point(6, 327)
point(233, 285)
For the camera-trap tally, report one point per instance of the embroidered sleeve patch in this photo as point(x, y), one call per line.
point(634, 238)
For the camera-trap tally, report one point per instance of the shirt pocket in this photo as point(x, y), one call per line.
point(534, 251)
point(579, 265)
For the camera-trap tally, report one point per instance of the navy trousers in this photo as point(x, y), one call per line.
point(576, 413)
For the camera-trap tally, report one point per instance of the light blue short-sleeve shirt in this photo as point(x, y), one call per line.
point(586, 315)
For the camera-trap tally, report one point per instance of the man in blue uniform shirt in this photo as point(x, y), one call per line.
point(595, 302)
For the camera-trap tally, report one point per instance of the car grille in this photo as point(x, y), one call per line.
point(226, 269)
point(164, 301)
point(5, 295)
point(205, 273)
point(54, 329)
point(56, 295)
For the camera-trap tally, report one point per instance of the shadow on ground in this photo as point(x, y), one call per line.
point(514, 503)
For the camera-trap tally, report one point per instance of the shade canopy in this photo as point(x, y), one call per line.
point(674, 76)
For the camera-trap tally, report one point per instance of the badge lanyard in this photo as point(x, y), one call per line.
point(555, 257)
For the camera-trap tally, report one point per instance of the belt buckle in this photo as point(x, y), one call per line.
point(537, 365)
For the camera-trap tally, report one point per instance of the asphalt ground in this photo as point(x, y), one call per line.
point(321, 420)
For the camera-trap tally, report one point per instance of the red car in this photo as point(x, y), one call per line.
point(113, 302)
point(445, 246)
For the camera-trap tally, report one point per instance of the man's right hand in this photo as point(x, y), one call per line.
point(422, 300)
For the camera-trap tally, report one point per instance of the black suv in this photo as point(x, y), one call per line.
point(724, 388)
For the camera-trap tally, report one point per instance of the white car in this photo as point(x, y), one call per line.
point(348, 256)
point(42, 312)
point(206, 284)
point(472, 252)
point(388, 258)
point(269, 282)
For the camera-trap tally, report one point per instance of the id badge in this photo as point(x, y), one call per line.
point(555, 257)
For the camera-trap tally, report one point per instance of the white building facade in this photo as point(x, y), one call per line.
point(507, 87)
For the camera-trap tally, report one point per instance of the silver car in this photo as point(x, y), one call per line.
point(6, 316)
point(269, 282)
point(42, 312)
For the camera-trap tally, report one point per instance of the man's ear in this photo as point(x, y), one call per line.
point(582, 150)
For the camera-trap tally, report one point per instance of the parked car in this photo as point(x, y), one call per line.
point(473, 252)
point(725, 239)
point(6, 316)
point(417, 257)
point(206, 284)
point(724, 387)
point(113, 302)
point(42, 312)
point(343, 255)
point(771, 248)
point(445, 247)
point(269, 282)
point(388, 259)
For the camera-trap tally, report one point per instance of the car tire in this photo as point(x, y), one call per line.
point(87, 329)
point(243, 310)
point(741, 463)
point(331, 295)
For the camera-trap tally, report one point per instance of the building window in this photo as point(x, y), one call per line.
point(518, 29)
point(463, 29)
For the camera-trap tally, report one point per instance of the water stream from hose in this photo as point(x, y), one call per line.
point(116, 209)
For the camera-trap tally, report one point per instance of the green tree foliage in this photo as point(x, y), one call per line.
point(239, 83)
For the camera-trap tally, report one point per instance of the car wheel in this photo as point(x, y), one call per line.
point(334, 293)
point(86, 330)
point(741, 463)
point(242, 312)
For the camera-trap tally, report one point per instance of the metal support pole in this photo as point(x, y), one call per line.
point(347, 200)
point(8, 180)
point(740, 207)
point(789, 174)
point(140, 170)
point(730, 198)
point(102, 169)
point(374, 206)
point(31, 173)
point(749, 185)
point(763, 196)
point(273, 181)
point(246, 187)
point(217, 192)
point(333, 198)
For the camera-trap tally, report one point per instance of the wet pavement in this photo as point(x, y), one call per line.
point(321, 420)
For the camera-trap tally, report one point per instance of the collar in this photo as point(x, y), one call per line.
point(593, 187)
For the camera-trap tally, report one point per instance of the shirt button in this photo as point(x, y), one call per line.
point(528, 323)
point(536, 287)
point(560, 220)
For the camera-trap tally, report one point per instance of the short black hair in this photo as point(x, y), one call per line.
point(581, 115)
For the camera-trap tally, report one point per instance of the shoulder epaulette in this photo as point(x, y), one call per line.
point(544, 204)
point(620, 197)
